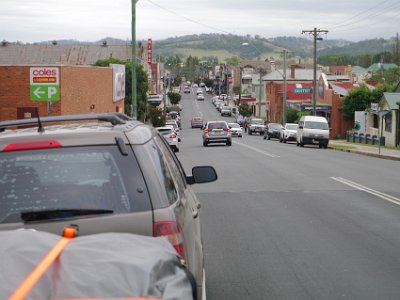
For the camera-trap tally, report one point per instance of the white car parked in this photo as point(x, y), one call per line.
point(288, 133)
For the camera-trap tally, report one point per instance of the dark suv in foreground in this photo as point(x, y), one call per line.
point(103, 173)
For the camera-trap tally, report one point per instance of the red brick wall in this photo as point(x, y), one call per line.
point(80, 87)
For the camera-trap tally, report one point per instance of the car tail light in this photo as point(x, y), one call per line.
point(173, 232)
point(227, 129)
point(33, 145)
point(173, 136)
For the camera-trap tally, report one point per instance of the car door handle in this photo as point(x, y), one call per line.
point(195, 213)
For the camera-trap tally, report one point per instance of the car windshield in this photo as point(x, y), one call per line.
point(256, 121)
point(316, 125)
point(275, 126)
point(291, 127)
point(69, 178)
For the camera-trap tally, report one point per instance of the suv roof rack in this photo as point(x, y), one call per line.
point(113, 118)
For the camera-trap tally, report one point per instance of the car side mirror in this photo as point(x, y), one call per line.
point(202, 174)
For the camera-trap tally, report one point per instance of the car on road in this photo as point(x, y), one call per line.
point(176, 125)
point(197, 122)
point(288, 133)
point(154, 99)
point(226, 111)
point(272, 130)
point(186, 90)
point(200, 96)
point(170, 136)
point(103, 173)
point(313, 130)
point(216, 132)
point(255, 125)
point(199, 91)
point(236, 130)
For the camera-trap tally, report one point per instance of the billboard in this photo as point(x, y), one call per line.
point(118, 82)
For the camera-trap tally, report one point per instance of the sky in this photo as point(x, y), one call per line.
point(30, 21)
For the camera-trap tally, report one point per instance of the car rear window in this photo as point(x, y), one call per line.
point(217, 125)
point(70, 178)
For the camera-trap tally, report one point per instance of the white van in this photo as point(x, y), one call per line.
point(313, 130)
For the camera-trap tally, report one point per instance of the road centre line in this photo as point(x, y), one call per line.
point(256, 150)
point(360, 187)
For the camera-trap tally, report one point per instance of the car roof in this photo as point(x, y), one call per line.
point(92, 129)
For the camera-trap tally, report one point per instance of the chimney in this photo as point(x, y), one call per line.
point(292, 71)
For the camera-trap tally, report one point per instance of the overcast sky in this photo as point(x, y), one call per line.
point(92, 20)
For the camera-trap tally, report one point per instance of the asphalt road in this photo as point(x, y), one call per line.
point(284, 222)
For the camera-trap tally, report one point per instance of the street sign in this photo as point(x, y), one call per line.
point(302, 91)
point(44, 84)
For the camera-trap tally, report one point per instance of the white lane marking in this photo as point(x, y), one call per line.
point(360, 187)
point(256, 150)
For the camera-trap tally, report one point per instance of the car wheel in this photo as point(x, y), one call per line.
point(205, 144)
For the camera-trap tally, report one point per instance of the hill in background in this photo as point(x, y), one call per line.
point(247, 47)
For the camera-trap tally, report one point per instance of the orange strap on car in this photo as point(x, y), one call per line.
point(26, 286)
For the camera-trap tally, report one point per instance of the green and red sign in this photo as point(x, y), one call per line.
point(44, 84)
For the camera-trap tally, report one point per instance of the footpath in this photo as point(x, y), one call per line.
point(386, 153)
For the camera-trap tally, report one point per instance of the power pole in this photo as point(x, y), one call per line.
point(133, 64)
point(284, 87)
point(316, 33)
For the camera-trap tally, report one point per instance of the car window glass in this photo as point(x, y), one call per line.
point(217, 125)
point(71, 178)
point(164, 173)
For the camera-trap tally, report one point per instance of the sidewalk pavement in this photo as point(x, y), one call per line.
point(369, 150)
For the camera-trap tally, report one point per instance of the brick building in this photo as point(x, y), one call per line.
point(82, 89)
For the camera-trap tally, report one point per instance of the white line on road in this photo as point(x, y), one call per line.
point(360, 187)
point(256, 150)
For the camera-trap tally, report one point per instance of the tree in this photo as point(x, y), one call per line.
point(292, 115)
point(232, 61)
point(359, 99)
point(245, 110)
point(157, 117)
point(174, 97)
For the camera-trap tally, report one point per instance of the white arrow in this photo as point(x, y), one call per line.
point(37, 92)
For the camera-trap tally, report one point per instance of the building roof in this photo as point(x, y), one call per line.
point(14, 54)
point(342, 91)
point(379, 67)
point(391, 100)
point(358, 70)
point(300, 75)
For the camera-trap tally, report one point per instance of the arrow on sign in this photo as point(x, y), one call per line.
point(38, 92)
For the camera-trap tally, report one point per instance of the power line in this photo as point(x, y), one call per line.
point(354, 20)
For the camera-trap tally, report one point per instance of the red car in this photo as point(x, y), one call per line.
point(197, 122)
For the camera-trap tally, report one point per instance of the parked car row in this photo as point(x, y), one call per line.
point(310, 130)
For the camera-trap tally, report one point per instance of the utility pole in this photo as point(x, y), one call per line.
point(316, 33)
point(259, 93)
point(133, 64)
point(284, 87)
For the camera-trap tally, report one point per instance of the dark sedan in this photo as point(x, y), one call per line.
point(272, 130)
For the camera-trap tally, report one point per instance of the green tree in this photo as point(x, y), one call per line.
point(232, 61)
point(292, 115)
point(157, 116)
point(359, 99)
point(174, 97)
point(245, 110)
